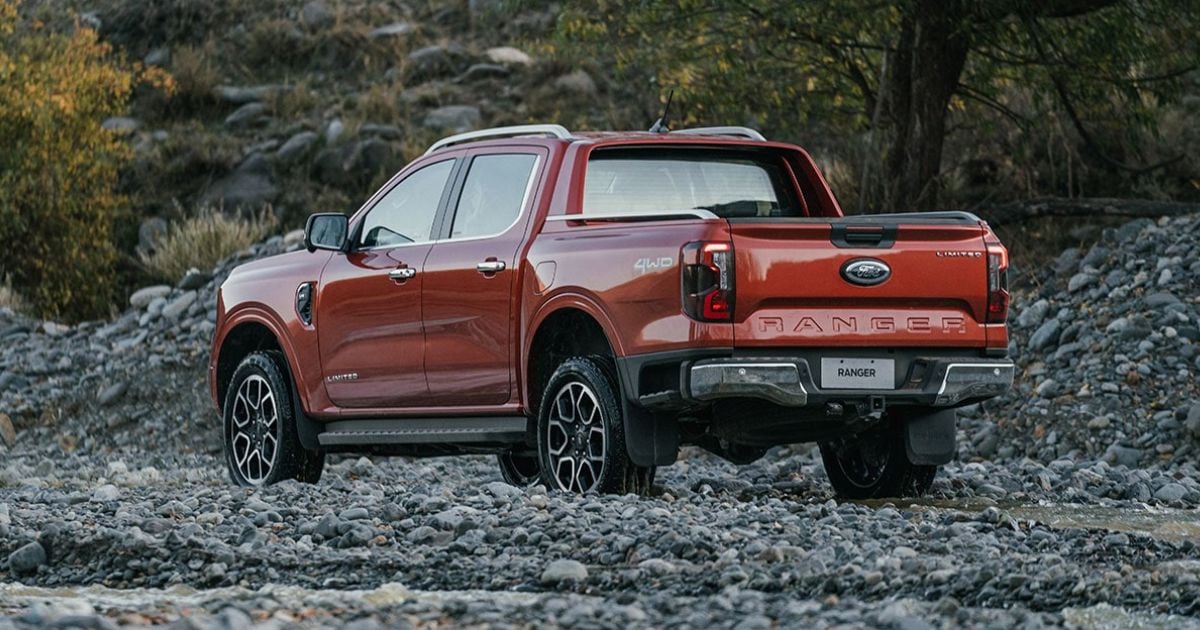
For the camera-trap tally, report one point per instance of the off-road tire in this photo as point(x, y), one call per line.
point(288, 458)
point(520, 469)
point(617, 474)
point(874, 464)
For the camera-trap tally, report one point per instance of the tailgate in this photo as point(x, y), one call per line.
point(820, 283)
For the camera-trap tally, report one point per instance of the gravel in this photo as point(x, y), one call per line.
point(1064, 507)
point(1107, 344)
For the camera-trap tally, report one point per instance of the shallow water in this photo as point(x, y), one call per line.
point(1162, 523)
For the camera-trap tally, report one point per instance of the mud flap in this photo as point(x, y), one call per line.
point(929, 438)
point(650, 440)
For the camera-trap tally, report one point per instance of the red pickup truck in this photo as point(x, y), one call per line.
point(582, 304)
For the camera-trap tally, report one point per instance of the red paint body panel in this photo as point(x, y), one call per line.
point(790, 290)
point(453, 341)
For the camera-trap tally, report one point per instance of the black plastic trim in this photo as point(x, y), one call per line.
point(484, 429)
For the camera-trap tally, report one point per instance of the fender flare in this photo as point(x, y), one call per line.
point(306, 428)
point(650, 440)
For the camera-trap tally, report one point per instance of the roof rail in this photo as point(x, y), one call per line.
point(553, 131)
point(741, 132)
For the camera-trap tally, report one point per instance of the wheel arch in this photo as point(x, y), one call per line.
point(251, 331)
point(576, 326)
point(565, 329)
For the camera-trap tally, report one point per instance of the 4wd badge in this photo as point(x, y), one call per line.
point(866, 271)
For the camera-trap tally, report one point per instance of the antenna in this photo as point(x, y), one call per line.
point(660, 125)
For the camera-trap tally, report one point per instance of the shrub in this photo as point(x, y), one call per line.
point(203, 241)
point(59, 168)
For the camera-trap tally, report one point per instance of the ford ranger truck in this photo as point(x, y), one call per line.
point(583, 304)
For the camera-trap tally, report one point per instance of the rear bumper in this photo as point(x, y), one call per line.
point(789, 382)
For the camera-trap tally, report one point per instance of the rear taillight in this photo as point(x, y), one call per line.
point(707, 281)
point(997, 297)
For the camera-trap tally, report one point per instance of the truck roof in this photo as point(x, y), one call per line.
point(560, 133)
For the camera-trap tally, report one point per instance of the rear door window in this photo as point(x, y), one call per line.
point(736, 185)
point(493, 193)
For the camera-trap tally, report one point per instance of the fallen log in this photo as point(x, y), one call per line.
point(1020, 211)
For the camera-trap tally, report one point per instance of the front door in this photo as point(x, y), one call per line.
point(470, 277)
point(368, 308)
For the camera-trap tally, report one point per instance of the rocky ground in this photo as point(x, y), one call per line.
point(1108, 347)
point(115, 507)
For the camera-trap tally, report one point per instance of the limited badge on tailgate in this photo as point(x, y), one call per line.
point(858, 373)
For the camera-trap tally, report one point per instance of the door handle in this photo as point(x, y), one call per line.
point(401, 274)
point(490, 266)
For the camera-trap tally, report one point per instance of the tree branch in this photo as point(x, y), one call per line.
point(1018, 212)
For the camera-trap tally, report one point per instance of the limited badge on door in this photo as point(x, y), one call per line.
point(858, 373)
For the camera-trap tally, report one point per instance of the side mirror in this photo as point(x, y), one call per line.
point(326, 230)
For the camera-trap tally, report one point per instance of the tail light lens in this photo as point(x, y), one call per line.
point(998, 296)
point(707, 281)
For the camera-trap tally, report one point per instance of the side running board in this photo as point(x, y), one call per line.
point(509, 429)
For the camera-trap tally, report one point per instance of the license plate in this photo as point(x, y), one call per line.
point(858, 373)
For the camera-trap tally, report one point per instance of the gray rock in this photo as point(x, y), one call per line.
point(395, 29)
point(1192, 423)
point(316, 14)
point(106, 492)
point(1160, 299)
point(144, 296)
point(243, 95)
point(250, 186)
point(160, 56)
point(1045, 336)
point(1034, 314)
point(297, 147)
point(455, 118)
point(430, 62)
point(508, 56)
point(1049, 388)
point(177, 307)
point(482, 71)
point(1123, 455)
point(1080, 281)
point(354, 514)
point(246, 115)
point(112, 393)
point(121, 125)
point(387, 132)
point(27, 559)
point(334, 131)
point(193, 279)
point(1171, 492)
point(564, 570)
point(579, 83)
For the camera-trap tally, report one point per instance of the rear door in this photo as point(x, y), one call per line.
point(470, 278)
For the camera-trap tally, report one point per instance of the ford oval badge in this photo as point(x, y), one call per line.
point(866, 271)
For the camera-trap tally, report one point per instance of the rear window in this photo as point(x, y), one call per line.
point(734, 185)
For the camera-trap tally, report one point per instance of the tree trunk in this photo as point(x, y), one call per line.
point(930, 54)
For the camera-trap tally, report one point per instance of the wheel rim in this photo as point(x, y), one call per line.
point(575, 439)
point(864, 460)
point(520, 470)
point(255, 420)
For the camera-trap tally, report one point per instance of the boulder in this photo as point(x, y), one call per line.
point(455, 118)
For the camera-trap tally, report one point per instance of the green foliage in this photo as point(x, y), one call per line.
point(59, 168)
point(832, 75)
point(203, 241)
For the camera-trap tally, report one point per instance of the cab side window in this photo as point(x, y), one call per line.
point(493, 193)
point(406, 213)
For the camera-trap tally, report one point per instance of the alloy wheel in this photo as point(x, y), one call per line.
point(576, 438)
point(255, 425)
